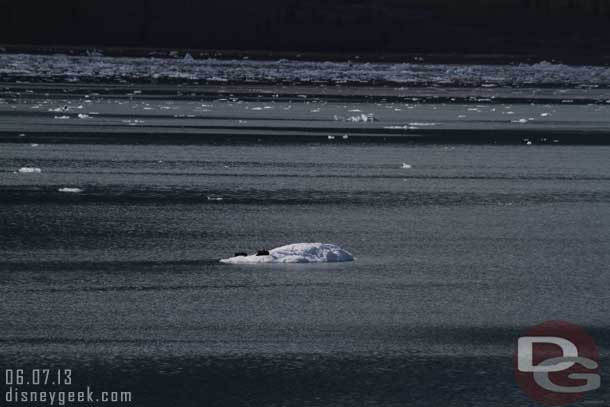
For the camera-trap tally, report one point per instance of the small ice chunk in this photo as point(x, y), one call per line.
point(83, 116)
point(70, 190)
point(406, 166)
point(214, 198)
point(365, 118)
point(29, 170)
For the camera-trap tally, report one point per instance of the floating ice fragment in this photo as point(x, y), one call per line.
point(297, 253)
point(406, 166)
point(70, 190)
point(362, 118)
point(215, 198)
point(423, 124)
point(29, 170)
point(83, 116)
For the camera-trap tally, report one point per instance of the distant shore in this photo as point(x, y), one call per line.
point(263, 55)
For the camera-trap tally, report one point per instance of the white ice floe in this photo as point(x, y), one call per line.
point(297, 253)
point(70, 190)
point(29, 170)
point(406, 166)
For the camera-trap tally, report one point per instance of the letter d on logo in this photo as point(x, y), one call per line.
point(525, 353)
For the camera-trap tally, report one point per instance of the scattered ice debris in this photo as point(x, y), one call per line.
point(22, 135)
point(345, 136)
point(62, 117)
point(406, 166)
point(331, 137)
point(33, 145)
point(544, 114)
point(134, 122)
point(29, 170)
point(83, 116)
point(519, 121)
point(70, 190)
point(417, 72)
point(405, 127)
point(363, 118)
point(215, 198)
point(296, 253)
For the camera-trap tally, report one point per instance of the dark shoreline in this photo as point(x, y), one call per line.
point(268, 55)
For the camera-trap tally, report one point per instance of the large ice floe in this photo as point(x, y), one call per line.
point(296, 253)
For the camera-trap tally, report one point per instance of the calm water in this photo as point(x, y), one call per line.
point(455, 256)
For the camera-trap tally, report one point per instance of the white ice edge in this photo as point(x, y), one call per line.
point(297, 253)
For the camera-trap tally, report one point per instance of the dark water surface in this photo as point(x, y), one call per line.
point(455, 256)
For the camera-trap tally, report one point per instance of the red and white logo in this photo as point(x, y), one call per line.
point(556, 363)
